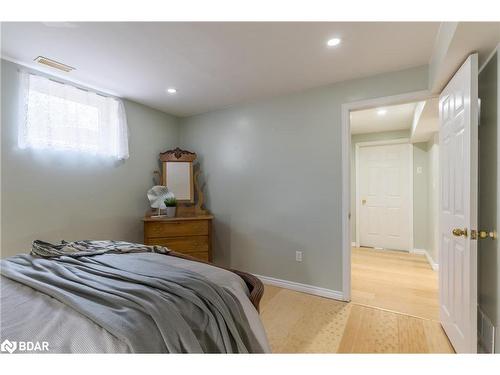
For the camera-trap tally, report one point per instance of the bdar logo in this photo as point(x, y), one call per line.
point(8, 346)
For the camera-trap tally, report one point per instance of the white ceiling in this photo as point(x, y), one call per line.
point(214, 65)
point(398, 117)
point(469, 37)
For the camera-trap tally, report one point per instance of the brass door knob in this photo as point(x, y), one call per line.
point(458, 232)
point(482, 234)
point(363, 201)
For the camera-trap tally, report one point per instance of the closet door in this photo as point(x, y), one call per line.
point(384, 196)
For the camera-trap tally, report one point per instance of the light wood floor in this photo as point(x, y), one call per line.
point(396, 281)
point(302, 323)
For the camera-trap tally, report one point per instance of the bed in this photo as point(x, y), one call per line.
point(132, 302)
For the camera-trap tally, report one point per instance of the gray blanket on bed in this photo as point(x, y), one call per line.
point(78, 249)
point(152, 308)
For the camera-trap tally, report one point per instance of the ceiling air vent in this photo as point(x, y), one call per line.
point(54, 64)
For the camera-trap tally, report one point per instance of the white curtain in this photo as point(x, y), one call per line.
point(60, 116)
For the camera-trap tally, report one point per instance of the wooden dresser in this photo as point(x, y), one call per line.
point(190, 235)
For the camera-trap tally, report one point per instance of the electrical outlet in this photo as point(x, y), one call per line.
point(298, 256)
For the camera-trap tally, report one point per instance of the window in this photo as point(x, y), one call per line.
point(63, 117)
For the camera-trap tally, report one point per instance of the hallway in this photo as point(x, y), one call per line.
point(396, 281)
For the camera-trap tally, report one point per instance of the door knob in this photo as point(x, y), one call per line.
point(458, 232)
point(482, 234)
point(363, 201)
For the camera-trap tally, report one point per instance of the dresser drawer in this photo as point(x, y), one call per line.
point(176, 228)
point(186, 245)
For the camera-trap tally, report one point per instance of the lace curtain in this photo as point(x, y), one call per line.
point(60, 116)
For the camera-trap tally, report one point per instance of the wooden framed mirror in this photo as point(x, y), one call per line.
point(177, 173)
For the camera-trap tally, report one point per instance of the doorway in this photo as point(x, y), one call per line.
point(458, 185)
point(393, 256)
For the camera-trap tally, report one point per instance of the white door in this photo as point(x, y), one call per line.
point(384, 196)
point(458, 138)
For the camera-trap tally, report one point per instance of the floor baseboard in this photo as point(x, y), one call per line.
point(431, 261)
point(304, 288)
point(418, 251)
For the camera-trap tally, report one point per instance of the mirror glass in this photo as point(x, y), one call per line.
point(179, 179)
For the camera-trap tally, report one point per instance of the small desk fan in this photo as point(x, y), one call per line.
point(157, 195)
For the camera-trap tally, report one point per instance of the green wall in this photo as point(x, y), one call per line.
point(273, 171)
point(489, 191)
point(433, 198)
point(420, 196)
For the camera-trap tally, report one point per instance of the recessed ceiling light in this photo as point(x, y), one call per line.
point(172, 90)
point(333, 42)
point(381, 112)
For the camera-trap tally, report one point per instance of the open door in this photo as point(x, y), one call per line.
point(458, 139)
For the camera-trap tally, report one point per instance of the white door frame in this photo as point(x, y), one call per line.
point(346, 170)
point(410, 167)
